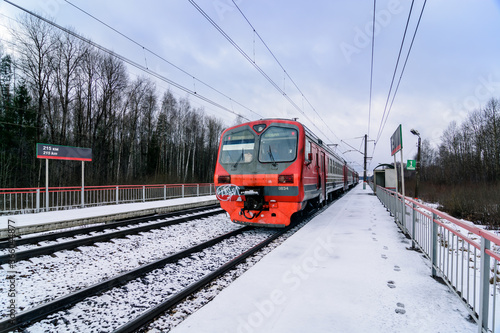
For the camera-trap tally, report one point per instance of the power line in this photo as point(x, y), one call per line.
point(406, 61)
point(352, 148)
point(382, 122)
point(128, 61)
point(160, 57)
point(249, 59)
point(401, 75)
point(371, 68)
point(281, 66)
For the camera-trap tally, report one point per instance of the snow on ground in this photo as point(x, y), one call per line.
point(115, 307)
point(47, 277)
point(348, 270)
point(73, 214)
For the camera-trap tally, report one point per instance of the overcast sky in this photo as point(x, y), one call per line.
point(324, 46)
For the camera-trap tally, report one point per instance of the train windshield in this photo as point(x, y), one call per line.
point(238, 147)
point(278, 144)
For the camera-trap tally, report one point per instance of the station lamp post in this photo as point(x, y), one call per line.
point(417, 176)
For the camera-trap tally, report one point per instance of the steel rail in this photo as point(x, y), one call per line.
point(40, 312)
point(154, 312)
point(86, 230)
point(23, 255)
point(35, 314)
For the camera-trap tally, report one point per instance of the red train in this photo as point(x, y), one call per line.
point(269, 169)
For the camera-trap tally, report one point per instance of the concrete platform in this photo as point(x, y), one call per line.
point(348, 270)
point(39, 222)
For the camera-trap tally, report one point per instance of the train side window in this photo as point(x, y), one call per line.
point(307, 149)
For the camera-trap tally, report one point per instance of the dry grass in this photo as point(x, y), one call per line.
point(478, 203)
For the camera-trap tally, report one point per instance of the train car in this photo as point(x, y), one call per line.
point(268, 170)
point(352, 177)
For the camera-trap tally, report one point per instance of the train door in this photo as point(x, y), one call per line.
point(318, 172)
point(346, 181)
point(322, 173)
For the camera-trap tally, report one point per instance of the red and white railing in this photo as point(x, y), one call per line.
point(465, 256)
point(38, 199)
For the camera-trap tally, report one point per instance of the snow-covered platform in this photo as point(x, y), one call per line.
point(46, 221)
point(348, 270)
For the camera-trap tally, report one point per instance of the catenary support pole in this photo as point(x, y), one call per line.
point(83, 184)
point(364, 167)
point(47, 185)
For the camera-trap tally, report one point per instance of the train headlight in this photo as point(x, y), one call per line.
point(285, 179)
point(259, 128)
point(224, 179)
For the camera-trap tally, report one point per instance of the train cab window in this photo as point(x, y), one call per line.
point(278, 144)
point(238, 147)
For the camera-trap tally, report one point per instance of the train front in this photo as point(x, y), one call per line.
point(258, 172)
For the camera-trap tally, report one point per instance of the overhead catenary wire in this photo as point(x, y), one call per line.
point(281, 66)
point(406, 61)
point(371, 69)
point(135, 74)
point(257, 67)
point(384, 120)
point(128, 61)
point(144, 48)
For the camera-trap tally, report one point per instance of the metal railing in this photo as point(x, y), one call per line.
point(463, 255)
point(34, 200)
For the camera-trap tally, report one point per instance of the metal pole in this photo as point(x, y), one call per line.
point(37, 200)
point(364, 168)
point(397, 191)
point(46, 184)
point(434, 237)
point(403, 199)
point(413, 222)
point(83, 184)
point(484, 285)
point(417, 176)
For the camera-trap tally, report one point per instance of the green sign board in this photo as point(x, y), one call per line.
point(411, 165)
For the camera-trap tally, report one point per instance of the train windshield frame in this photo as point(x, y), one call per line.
point(278, 144)
point(238, 146)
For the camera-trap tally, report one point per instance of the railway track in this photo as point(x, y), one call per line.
point(68, 300)
point(209, 259)
point(195, 213)
point(154, 312)
point(140, 274)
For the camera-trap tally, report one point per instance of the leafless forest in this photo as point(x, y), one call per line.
point(463, 173)
point(57, 89)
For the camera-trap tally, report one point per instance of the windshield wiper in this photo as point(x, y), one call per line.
point(271, 156)
point(239, 159)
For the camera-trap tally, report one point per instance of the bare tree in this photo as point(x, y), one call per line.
point(36, 43)
point(84, 97)
point(66, 68)
point(112, 81)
